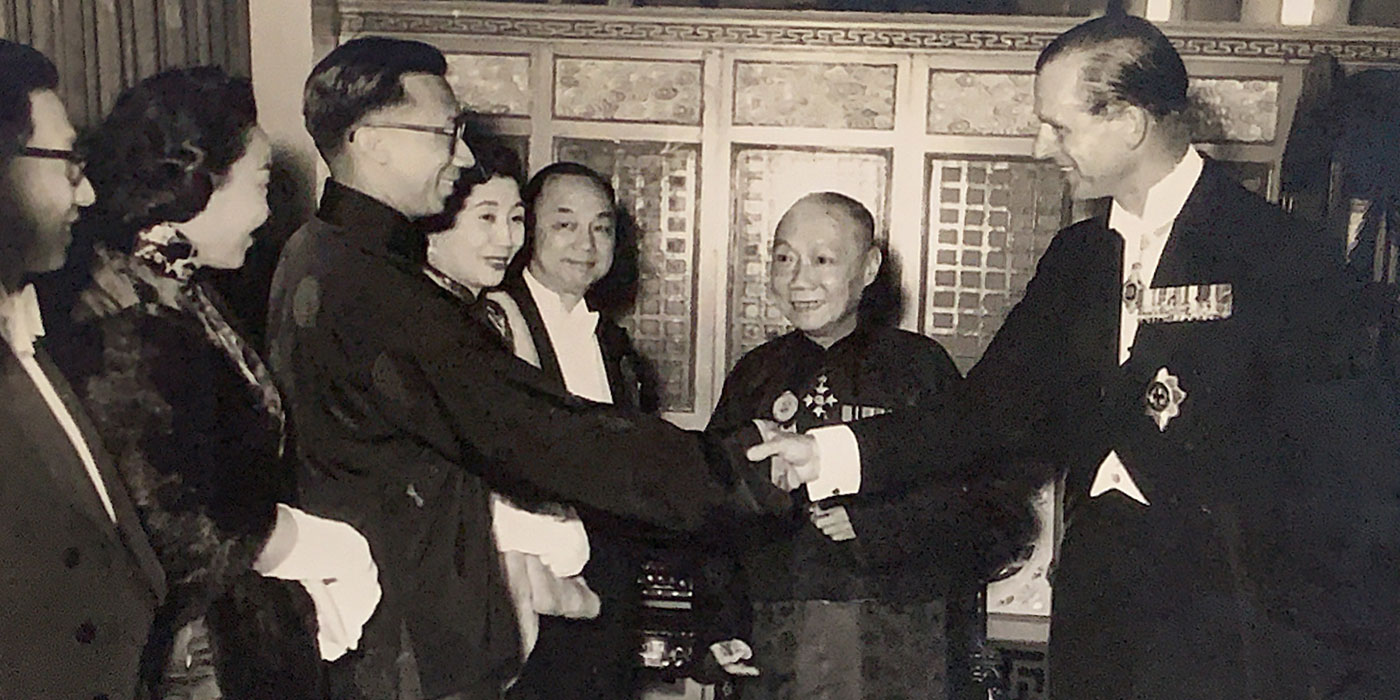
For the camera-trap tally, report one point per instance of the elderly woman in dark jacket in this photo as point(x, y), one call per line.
point(188, 409)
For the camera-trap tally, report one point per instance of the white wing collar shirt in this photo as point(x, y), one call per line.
point(1145, 235)
point(1144, 238)
point(20, 324)
point(574, 334)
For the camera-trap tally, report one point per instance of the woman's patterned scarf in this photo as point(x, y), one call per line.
point(489, 308)
point(159, 272)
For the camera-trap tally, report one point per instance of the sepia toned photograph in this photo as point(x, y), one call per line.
point(700, 349)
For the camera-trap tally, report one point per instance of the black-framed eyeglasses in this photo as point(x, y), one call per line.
point(457, 132)
point(73, 158)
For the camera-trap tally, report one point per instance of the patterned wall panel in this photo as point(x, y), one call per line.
point(491, 83)
point(659, 184)
point(988, 222)
point(829, 95)
point(663, 92)
point(766, 182)
point(1236, 110)
point(981, 103)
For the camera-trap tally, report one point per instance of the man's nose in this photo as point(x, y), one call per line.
point(83, 195)
point(1044, 146)
point(801, 275)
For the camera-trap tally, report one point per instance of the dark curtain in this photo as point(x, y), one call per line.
point(104, 46)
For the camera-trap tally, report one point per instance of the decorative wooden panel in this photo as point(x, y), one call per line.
point(989, 220)
point(981, 103)
point(830, 95)
point(664, 92)
point(658, 183)
point(491, 83)
point(766, 182)
point(1243, 111)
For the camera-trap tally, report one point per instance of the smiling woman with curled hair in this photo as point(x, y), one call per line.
point(180, 170)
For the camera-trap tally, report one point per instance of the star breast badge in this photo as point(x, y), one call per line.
point(1163, 398)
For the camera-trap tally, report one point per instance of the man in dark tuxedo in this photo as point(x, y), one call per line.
point(1190, 368)
point(573, 237)
point(79, 581)
point(407, 413)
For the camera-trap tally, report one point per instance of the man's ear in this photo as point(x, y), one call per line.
point(873, 258)
point(369, 144)
point(1134, 122)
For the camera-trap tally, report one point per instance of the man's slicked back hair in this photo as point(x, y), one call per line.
point(1130, 62)
point(23, 70)
point(359, 77)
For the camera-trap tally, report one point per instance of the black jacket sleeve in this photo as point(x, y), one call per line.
point(967, 527)
point(1006, 405)
point(391, 375)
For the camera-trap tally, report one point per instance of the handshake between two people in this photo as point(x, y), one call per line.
point(794, 460)
point(793, 457)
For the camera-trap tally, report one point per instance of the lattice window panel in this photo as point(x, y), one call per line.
point(659, 184)
point(988, 223)
point(766, 182)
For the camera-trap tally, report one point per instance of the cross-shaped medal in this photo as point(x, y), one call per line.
point(820, 399)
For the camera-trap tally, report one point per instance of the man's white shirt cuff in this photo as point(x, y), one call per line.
point(838, 463)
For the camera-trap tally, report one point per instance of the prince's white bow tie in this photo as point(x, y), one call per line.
point(21, 320)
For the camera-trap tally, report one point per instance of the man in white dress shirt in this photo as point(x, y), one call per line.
point(80, 581)
point(1188, 367)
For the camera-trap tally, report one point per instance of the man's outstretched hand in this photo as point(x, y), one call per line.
point(795, 459)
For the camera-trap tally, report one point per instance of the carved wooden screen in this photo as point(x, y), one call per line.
point(711, 123)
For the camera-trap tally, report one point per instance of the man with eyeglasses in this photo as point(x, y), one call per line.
point(79, 581)
point(407, 410)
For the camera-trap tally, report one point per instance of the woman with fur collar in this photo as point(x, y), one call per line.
point(188, 409)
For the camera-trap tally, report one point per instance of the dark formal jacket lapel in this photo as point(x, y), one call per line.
point(514, 285)
point(624, 366)
point(1198, 252)
point(69, 474)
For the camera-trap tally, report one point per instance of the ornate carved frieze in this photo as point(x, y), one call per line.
point(832, 30)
